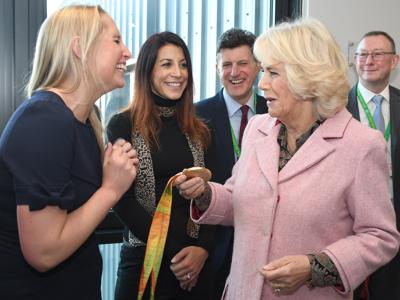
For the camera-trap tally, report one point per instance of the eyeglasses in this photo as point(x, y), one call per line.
point(377, 56)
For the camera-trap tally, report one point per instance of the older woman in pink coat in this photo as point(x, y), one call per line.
point(309, 196)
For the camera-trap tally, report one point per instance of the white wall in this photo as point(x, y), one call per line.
point(349, 20)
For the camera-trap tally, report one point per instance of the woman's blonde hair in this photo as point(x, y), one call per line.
point(55, 61)
point(316, 67)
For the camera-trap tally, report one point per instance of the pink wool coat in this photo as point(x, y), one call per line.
point(331, 197)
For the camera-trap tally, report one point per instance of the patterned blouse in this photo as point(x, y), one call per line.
point(323, 270)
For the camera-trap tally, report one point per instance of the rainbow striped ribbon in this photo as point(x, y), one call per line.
point(156, 241)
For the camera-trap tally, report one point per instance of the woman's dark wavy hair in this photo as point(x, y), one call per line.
point(142, 108)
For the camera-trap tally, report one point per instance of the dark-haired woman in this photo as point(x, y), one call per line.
point(161, 124)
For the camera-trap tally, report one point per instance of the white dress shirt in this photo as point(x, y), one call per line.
point(385, 106)
point(235, 113)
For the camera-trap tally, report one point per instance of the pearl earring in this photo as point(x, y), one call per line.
point(304, 98)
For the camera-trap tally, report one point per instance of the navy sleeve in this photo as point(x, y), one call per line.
point(38, 153)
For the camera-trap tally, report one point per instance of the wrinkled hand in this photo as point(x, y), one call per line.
point(189, 189)
point(289, 271)
point(189, 260)
point(120, 166)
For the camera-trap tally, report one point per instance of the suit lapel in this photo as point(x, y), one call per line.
point(316, 148)
point(395, 135)
point(261, 107)
point(352, 105)
point(394, 116)
point(222, 128)
point(267, 152)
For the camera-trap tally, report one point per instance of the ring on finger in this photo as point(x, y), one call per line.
point(188, 276)
point(278, 288)
point(180, 192)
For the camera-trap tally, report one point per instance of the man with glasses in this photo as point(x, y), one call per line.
point(375, 103)
point(228, 112)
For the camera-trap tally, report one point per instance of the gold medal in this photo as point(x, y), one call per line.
point(204, 173)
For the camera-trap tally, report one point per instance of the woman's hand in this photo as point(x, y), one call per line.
point(289, 272)
point(120, 167)
point(187, 265)
point(191, 188)
point(189, 285)
point(127, 147)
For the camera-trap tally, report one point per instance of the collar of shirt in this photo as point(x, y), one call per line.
point(235, 114)
point(368, 95)
point(233, 106)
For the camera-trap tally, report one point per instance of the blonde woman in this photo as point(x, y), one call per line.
point(56, 181)
point(309, 196)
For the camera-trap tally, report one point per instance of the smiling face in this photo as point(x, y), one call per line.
point(281, 103)
point(111, 56)
point(238, 72)
point(170, 73)
point(374, 75)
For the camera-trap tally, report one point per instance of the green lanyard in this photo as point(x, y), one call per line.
point(369, 116)
point(235, 143)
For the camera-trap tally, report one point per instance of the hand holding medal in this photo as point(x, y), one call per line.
point(191, 182)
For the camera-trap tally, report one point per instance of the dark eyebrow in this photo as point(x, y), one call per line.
point(169, 60)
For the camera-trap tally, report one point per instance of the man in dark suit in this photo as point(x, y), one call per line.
point(375, 58)
point(228, 112)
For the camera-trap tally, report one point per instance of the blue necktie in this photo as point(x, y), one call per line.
point(378, 116)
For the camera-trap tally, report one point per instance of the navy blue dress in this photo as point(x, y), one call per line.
point(47, 157)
